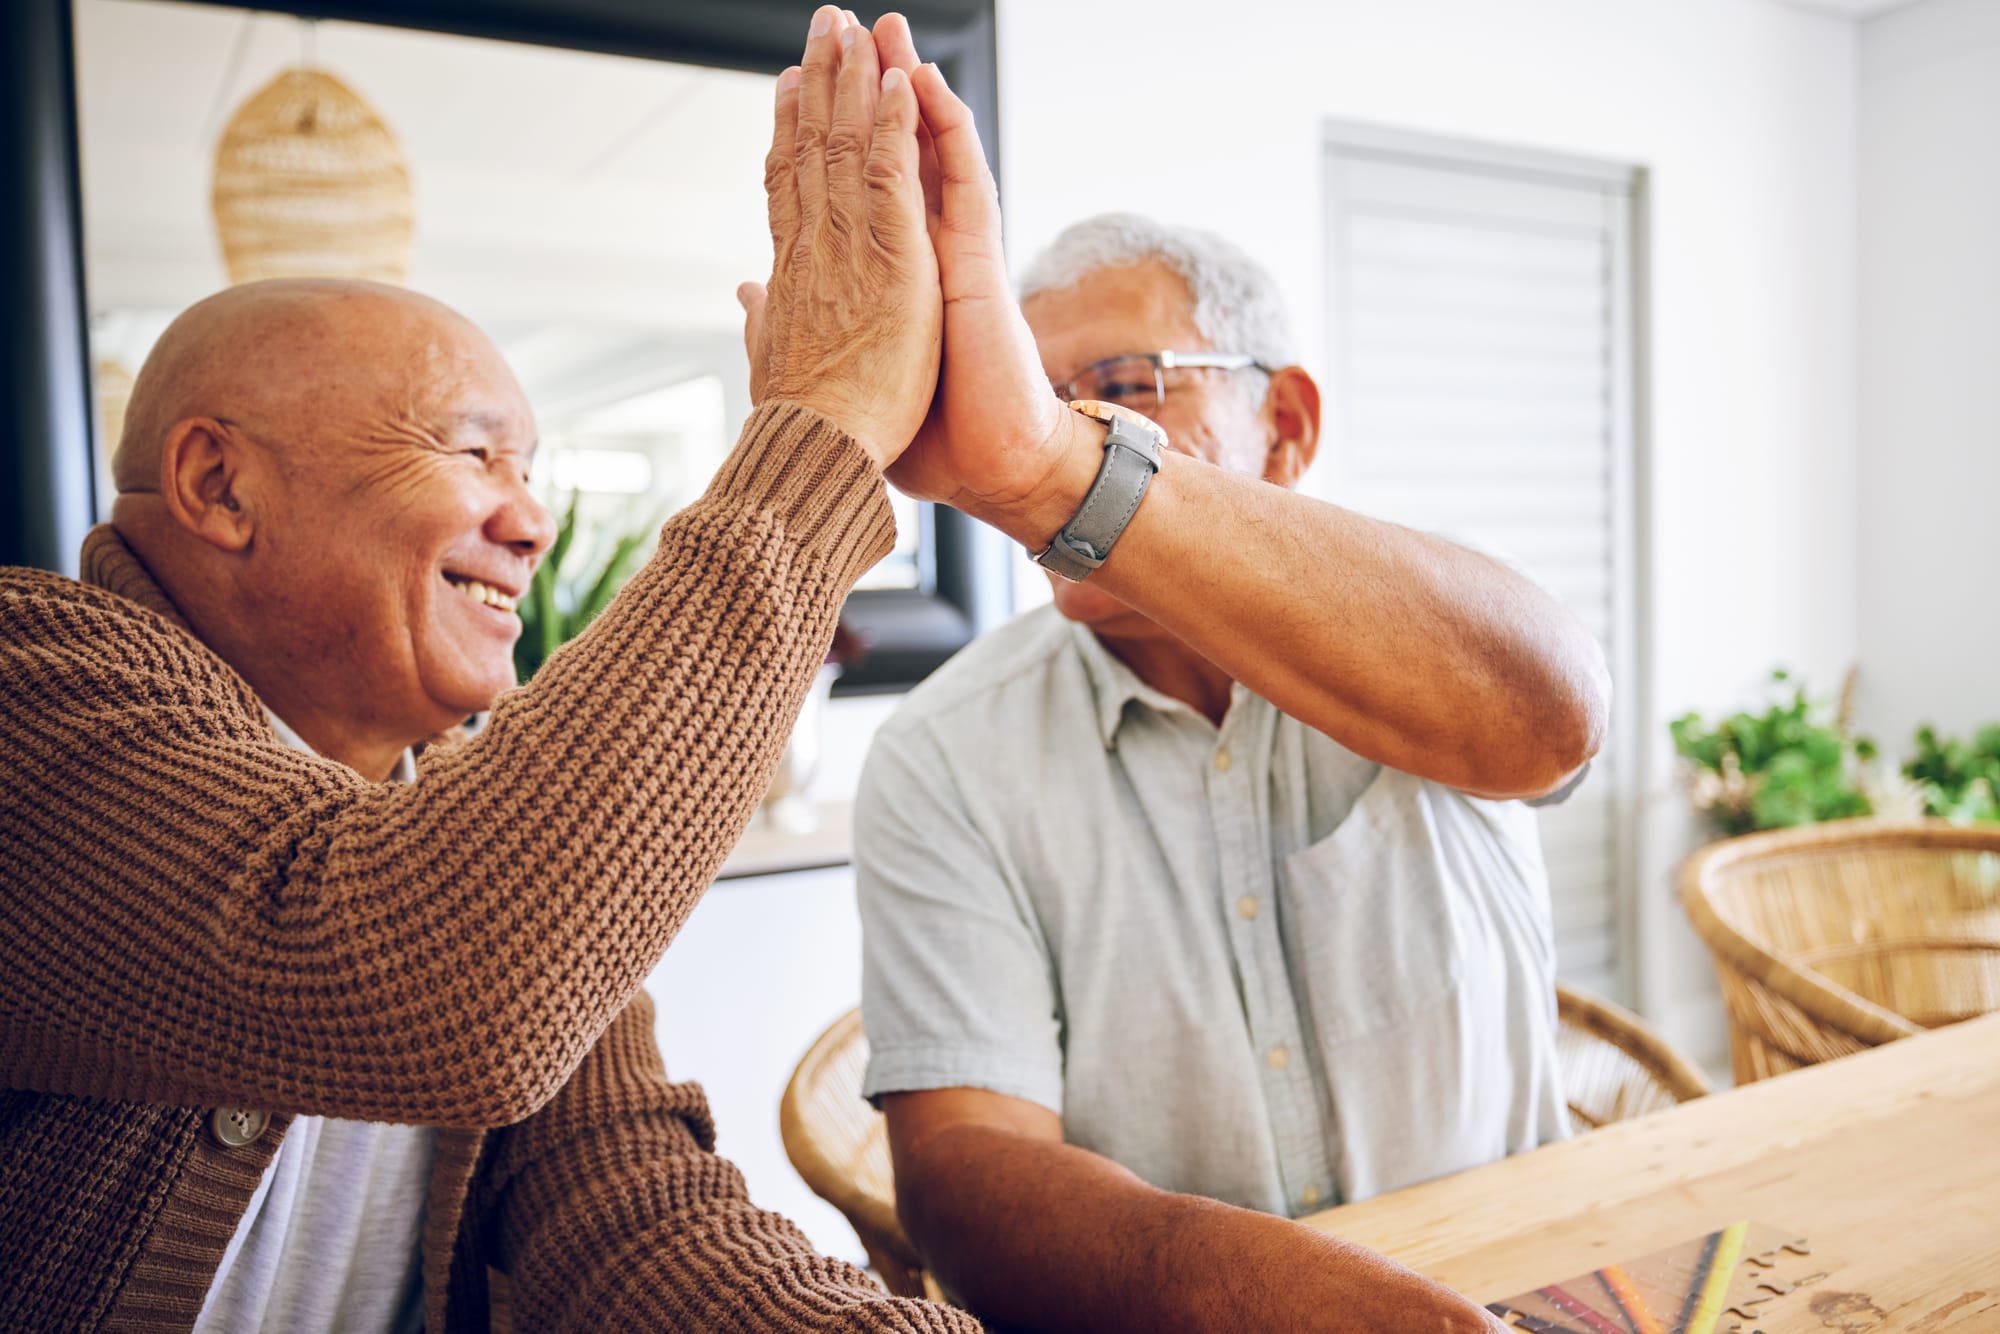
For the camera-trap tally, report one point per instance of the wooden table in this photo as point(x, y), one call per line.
point(1888, 1163)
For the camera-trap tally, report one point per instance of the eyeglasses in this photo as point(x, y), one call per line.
point(1138, 380)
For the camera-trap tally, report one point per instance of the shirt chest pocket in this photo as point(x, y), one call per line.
point(1374, 928)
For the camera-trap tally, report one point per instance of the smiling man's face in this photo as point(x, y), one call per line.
point(328, 479)
point(403, 531)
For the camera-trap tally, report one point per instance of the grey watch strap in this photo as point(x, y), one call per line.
point(1130, 459)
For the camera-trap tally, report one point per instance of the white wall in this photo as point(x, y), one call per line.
point(1742, 113)
point(1930, 369)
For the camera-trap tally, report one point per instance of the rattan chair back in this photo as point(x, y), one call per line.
point(1834, 938)
point(1614, 1067)
point(840, 1145)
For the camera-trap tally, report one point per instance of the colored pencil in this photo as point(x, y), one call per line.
point(1715, 1291)
point(1639, 1317)
point(1698, 1282)
point(1570, 1306)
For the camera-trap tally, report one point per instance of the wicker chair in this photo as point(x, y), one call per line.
point(840, 1145)
point(1843, 936)
point(1613, 1068)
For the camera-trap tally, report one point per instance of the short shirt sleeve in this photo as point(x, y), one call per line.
point(1563, 793)
point(956, 983)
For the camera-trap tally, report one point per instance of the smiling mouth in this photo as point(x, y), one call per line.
point(482, 592)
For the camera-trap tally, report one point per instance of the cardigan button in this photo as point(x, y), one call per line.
point(234, 1127)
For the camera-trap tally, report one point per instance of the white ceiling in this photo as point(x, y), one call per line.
point(616, 202)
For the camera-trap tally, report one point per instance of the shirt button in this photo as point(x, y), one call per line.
point(1222, 760)
point(1309, 1197)
point(1280, 1057)
point(1247, 906)
point(234, 1127)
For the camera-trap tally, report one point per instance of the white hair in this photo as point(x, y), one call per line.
point(1237, 305)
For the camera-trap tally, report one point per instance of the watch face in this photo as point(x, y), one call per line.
point(1100, 410)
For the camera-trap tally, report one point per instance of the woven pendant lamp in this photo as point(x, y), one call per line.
point(309, 182)
point(114, 391)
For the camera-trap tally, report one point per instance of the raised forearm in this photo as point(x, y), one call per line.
point(1405, 648)
point(1037, 1235)
point(442, 952)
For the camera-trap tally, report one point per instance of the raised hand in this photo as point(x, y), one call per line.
point(997, 441)
point(850, 323)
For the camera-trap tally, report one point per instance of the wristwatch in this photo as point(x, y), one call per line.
point(1131, 457)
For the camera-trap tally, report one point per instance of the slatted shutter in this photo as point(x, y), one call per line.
point(1479, 318)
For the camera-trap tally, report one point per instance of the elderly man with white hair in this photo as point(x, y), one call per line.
point(1160, 956)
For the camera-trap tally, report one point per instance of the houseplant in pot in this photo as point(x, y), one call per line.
point(1793, 763)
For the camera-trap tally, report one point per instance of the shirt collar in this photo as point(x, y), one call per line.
point(1114, 685)
point(406, 763)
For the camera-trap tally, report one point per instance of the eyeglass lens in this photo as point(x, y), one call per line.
point(1132, 382)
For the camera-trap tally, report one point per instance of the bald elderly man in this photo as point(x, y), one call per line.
point(308, 1024)
point(305, 1025)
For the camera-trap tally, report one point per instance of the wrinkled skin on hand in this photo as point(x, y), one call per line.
point(851, 322)
point(991, 439)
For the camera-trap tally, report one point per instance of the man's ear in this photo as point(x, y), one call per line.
point(201, 479)
point(1291, 405)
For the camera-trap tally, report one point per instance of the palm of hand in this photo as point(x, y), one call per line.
point(843, 317)
point(992, 435)
point(990, 439)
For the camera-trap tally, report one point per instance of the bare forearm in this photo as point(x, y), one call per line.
point(1406, 649)
point(1042, 1236)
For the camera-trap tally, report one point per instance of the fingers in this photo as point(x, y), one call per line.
point(857, 90)
point(895, 193)
point(781, 182)
point(893, 41)
point(752, 296)
point(970, 260)
point(817, 74)
point(898, 50)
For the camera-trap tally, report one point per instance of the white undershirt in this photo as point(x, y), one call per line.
point(333, 1238)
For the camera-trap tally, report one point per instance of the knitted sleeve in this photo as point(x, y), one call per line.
point(191, 912)
point(609, 1210)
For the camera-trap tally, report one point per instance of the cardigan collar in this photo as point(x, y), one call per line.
point(108, 562)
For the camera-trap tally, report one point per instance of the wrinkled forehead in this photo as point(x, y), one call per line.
point(458, 379)
point(407, 366)
point(1144, 307)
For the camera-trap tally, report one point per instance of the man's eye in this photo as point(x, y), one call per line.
point(480, 452)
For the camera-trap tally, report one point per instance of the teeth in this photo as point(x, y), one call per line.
point(486, 593)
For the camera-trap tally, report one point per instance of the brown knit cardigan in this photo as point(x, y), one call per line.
point(194, 916)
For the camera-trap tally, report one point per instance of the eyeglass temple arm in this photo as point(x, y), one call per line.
point(1209, 360)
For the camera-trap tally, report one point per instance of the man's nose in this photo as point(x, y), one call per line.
point(521, 523)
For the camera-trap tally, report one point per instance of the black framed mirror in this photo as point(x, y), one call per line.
point(952, 581)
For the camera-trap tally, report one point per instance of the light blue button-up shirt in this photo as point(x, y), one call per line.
point(1242, 961)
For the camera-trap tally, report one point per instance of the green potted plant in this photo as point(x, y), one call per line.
point(1959, 780)
point(571, 587)
point(1793, 763)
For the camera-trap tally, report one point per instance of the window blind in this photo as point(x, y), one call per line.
point(1479, 316)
